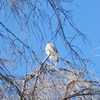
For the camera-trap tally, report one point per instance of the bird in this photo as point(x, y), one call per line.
point(52, 52)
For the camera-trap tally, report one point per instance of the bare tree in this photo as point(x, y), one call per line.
point(25, 71)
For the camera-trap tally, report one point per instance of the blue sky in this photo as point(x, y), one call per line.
point(86, 17)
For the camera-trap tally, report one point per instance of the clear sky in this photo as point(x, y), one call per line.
point(86, 15)
point(87, 19)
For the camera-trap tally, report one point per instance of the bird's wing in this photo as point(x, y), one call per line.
point(53, 49)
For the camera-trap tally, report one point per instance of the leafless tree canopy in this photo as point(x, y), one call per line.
point(25, 71)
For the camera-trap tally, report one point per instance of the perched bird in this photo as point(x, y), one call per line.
point(52, 52)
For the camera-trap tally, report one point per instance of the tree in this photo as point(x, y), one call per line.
point(26, 73)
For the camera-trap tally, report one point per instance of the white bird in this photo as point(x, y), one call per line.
point(52, 52)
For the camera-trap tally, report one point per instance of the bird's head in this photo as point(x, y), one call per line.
point(49, 44)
